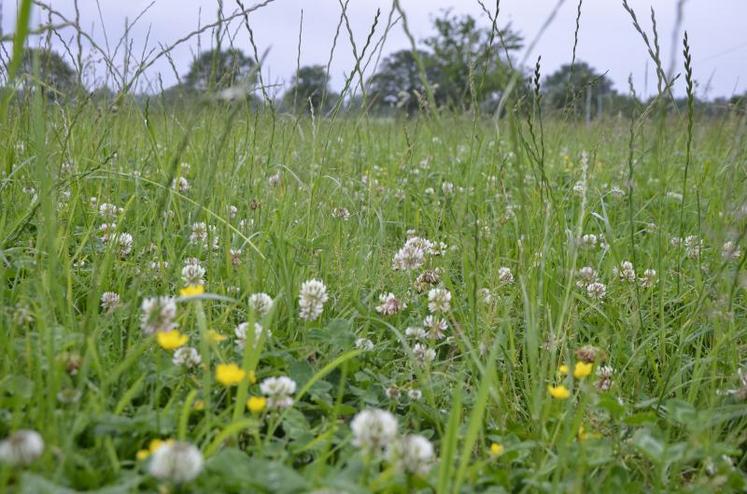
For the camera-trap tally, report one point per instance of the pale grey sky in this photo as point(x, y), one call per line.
point(606, 39)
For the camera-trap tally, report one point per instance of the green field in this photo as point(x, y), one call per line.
point(662, 408)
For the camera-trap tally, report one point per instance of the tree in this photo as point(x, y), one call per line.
point(397, 83)
point(220, 70)
point(309, 90)
point(55, 77)
point(578, 89)
point(473, 61)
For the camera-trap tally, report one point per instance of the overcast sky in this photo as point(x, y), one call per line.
point(607, 39)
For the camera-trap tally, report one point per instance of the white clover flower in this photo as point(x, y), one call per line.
point(416, 332)
point(181, 184)
point(415, 394)
point(178, 462)
point(485, 296)
point(413, 453)
point(341, 214)
point(109, 301)
point(408, 258)
point(122, 243)
point(586, 276)
point(439, 300)
point(588, 241)
point(675, 196)
point(505, 276)
point(730, 251)
point(311, 300)
point(675, 241)
point(617, 192)
point(693, 246)
point(274, 180)
point(278, 391)
point(389, 305)
point(201, 233)
point(579, 187)
point(596, 290)
point(193, 274)
point(393, 392)
point(373, 430)
point(604, 377)
point(364, 344)
point(625, 272)
point(232, 211)
point(435, 327)
point(157, 314)
point(235, 256)
point(649, 278)
point(423, 354)
point(186, 356)
point(447, 188)
point(241, 331)
point(261, 303)
point(107, 210)
point(21, 448)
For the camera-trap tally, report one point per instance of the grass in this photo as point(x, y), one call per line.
point(98, 390)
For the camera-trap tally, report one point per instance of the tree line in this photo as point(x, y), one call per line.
point(461, 66)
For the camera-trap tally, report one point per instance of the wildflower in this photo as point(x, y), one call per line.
point(364, 344)
point(21, 448)
point(186, 356)
point(408, 258)
point(693, 246)
point(426, 278)
point(392, 392)
point(435, 327)
point(232, 211)
point(181, 184)
point(278, 391)
point(341, 214)
point(274, 179)
point(604, 378)
point(389, 305)
point(485, 296)
point(216, 337)
point(192, 291)
point(157, 314)
point(123, 243)
point(373, 430)
point(730, 251)
point(201, 233)
point(107, 210)
point(579, 187)
point(582, 369)
point(596, 290)
point(563, 370)
point(109, 302)
point(496, 449)
point(261, 303)
point(505, 276)
point(235, 255)
point(586, 276)
point(423, 354)
point(241, 330)
point(589, 353)
point(171, 340)
point(439, 300)
point(177, 462)
point(649, 278)
point(193, 274)
point(415, 394)
point(625, 272)
point(413, 453)
point(559, 392)
point(588, 241)
point(311, 299)
point(447, 188)
point(229, 374)
point(415, 332)
point(617, 192)
point(256, 404)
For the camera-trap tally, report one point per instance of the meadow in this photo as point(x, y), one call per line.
point(437, 304)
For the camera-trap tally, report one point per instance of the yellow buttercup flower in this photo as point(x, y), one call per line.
point(563, 370)
point(559, 392)
point(582, 369)
point(251, 376)
point(198, 405)
point(583, 435)
point(256, 404)
point(142, 455)
point(216, 337)
point(496, 449)
point(171, 340)
point(153, 446)
point(229, 374)
point(192, 291)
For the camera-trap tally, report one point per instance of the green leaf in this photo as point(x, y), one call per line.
point(235, 470)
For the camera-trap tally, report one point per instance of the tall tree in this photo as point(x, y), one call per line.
point(55, 76)
point(397, 83)
point(473, 61)
point(308, 89)
point(220, 69)
point(578, 89)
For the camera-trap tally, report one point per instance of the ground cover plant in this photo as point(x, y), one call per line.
point(230, 298)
